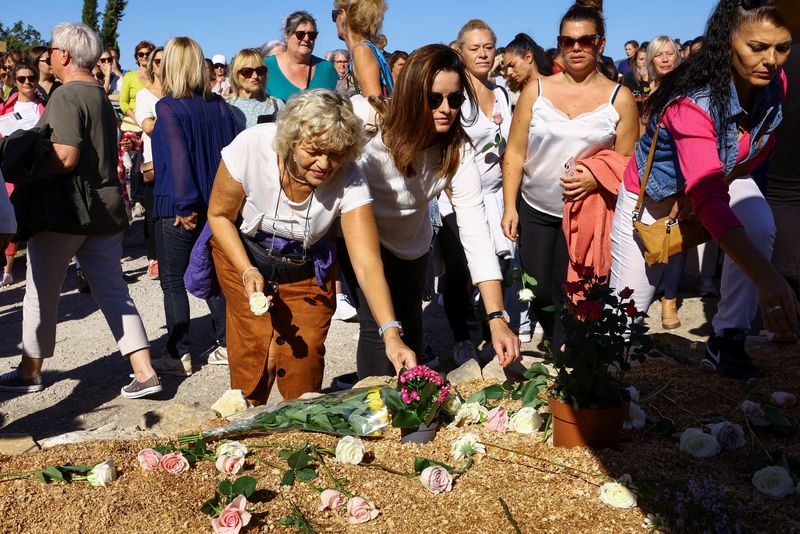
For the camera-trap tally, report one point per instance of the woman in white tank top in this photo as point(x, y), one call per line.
point(566, 117)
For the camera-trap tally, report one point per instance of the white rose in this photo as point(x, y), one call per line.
point(633, 393)
point(729, 435)
point(350, 450)
point(525, 421)
point(617, 495)
point(436, 479)
point(452, 404)
point(752, 409)
point(466, 446)
point(699, 444)
point(231, 448)
point(102, 474)
point(260, 303)
point(525, 295)
point(774, 481)
point(636, 416)
point(469, 413)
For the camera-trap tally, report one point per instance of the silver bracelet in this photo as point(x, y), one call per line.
point(247, 271)
point(391, 324)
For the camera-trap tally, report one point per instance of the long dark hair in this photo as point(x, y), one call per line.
point(524, 43)
point(407, 119)
point(711, 66)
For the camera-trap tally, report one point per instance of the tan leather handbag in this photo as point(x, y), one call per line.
point(148, 172)
point(667, 236)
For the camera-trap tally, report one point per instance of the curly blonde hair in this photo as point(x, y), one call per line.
point(325, 120)
point(364, 17)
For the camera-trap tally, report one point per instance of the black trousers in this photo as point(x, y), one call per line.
point(544, 256)
point(406, 280)
point(457, 305)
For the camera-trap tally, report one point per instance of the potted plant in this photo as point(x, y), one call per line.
point(603, 333)
point(416, 402)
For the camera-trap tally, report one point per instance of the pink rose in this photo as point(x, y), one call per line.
point(783, 399)
point(436, 479)
point(149, 459)
point(232, 518)
point(497, 118)
point(497, 420)
point(229, 465)
point(331, 499)
point(174, 463)
point(360, 510)
point(752, 409)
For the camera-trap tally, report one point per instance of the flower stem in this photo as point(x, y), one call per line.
point(262, 460)
point(657, 392)
point(336, 481)
point(755, 441)
point(547, 429)
point(318, 490)
point(510, 518)
point(551, 462)
point(266, 446)
point(390, 470)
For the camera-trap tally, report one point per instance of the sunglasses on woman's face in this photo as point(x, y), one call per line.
point(454, 100)
point(301, 35)
point(45, 60)
point(23, 79)
point(157, 62)
point(7, 67)
point(586, 42)
point(108, 59)
point(247, 72)
point(219, 66)
point(143, 54)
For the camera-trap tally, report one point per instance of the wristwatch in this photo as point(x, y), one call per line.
point(500, 314)
point(391, 324)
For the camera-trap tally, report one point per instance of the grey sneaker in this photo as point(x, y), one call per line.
point(219, 356)
point(173, 366)
point(137, 389)
point(11, 382)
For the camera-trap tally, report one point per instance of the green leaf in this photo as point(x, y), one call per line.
point(528, 281)
point(298, 460)
point(288, 478)
point(494, 392)
point(39, 475)
point(497, 139)
point(322, 423)
point(244, 486)
point(392, 400)
point(405, 420)
point(530, 394)
point(285, 453)
point(211, 506)
point(487, 147)
point(81, 469)
point(226, 488)
point(478, 396)
point(420, 463)
point(307, 473)
point(54, 474)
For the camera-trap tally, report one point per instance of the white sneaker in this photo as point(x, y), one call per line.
point(464, 351)
point(525, 337)
point(7, 280)
point(219, 356)
point(138, 210)
point(172, 366)
point(344, 310)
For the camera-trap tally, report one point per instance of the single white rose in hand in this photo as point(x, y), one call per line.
point(699, 444)
point(729, 435)
point(526, 421)
point(350, 450)
point(774, 481)
point(525, 295)
point(260, 303)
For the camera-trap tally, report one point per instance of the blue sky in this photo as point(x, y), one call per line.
point(227, 26)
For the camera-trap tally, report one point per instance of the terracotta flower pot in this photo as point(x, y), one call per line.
point(421, 434)
point(599, 429)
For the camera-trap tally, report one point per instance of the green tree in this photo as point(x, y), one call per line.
point(19, 37)
point(114, 11)
point(89, 16)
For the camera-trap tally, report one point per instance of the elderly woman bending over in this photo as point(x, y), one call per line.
point(288, 183)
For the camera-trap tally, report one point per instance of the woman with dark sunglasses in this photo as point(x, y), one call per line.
point(357, 24)
point(558, 120)
point(40, 58)
point(717, 114)
point(279, 191)
point(134, 80)
point(250, 104)
point(297, 69)
point(9, 59)
point(420, 149)
point(24, 100)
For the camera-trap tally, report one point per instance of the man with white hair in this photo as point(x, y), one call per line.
point(83, 133)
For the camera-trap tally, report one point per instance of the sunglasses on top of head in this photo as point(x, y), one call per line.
point(566, 42)
point(301, 35)
point(247, 72)
point(454, 100)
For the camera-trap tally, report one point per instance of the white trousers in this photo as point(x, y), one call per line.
point(739, 297)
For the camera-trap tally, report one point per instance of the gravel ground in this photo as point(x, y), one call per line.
point(85, 375)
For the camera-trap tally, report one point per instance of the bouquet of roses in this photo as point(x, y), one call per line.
point(357, 412)
point(416, 400)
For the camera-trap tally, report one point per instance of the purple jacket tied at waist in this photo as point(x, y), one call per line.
point(200, 278)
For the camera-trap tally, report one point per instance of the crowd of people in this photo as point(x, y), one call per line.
point(338, 187)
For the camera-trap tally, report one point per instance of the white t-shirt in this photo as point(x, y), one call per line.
point(145, 109)
point(252, 161)
point(401, 204)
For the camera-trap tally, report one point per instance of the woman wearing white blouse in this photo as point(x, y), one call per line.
point(421, 149)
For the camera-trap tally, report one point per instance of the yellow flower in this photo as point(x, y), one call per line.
point(374, 400)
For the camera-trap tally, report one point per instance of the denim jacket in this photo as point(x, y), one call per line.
point(666, 177)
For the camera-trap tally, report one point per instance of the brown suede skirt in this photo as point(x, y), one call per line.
point(286, 346)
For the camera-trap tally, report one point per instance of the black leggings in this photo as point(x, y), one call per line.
point(544, 256)
point(406, 280)
point(457, 305)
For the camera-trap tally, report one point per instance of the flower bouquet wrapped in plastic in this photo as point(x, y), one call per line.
point(357, 412)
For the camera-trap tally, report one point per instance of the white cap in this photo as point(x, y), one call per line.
point(218, 58)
